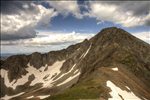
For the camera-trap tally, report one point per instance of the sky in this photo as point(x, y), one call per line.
point(43, 26)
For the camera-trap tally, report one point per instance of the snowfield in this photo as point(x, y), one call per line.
point(14, 83)
point(30, 97)
point(66, 73)
point(38, 73)
point(115, 69)
point(6, 97)
point(41, 97)
point(118, 94)
point(45, 77)
point(69, 79)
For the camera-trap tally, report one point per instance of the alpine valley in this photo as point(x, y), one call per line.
point(112, 65)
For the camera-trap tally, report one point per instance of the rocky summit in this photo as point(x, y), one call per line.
point(111, 65)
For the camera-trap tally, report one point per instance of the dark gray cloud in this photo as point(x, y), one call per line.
point(13, 7)
point(15, 36)
point(23, 33)
point(148, 23)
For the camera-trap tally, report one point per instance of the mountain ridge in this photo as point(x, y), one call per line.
point(93, 60)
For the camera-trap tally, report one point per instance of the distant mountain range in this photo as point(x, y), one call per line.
point(111, 65)
point(4, 56)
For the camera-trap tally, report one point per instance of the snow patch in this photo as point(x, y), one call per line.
point(116, 91)
point(87, 51)
point(3, 72)
point(39, 76)
point(69, 79)
point(30, 97)
point(14, 83)
point(43, 96)
point(66, 73)
point(76, 71)
point(115, 69)
point(84, 54)
point(127, 87)
point(6, 97)
point(38, 73)
point(145, 98)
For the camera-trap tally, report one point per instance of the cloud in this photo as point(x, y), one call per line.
point(22, 33)
point(145, 36)
point(100, 22)
point(51, 38)
point(67, 7)
point(24, 18)
point(127, 13)
point(19, 19)
point(7, 6)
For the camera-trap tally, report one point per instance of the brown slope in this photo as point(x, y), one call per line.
point(113, 45)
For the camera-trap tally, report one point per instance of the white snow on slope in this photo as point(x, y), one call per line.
point(115, 69)
point(127, 87)
point(4, 74)
point(65, 73)
point(38, 73)
point(145, 98)
point(30, 97)
point(116, 91)
point(69, 79)
point(43, 96)
point(76, 71)
point(87, 51)
point(6, 97)
point(84, 54)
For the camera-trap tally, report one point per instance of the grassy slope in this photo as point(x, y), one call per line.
point(88, 89)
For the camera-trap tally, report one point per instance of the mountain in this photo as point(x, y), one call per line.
point(111, 65)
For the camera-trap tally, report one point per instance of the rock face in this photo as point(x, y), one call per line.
point(113, 60)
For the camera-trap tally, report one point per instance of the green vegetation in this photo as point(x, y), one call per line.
point(84, 90)
point(76, 93)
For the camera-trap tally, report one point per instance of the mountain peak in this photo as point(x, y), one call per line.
point(110, 28)
point(115, 35)
point(113, 31)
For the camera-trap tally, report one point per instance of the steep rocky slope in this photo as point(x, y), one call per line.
point(112, 64)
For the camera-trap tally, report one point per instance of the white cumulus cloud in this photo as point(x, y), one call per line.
point(145, 36)
point(67, 7)
point(51, 38)
point(44, 42)
point(115, 12)
point(23, 24)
